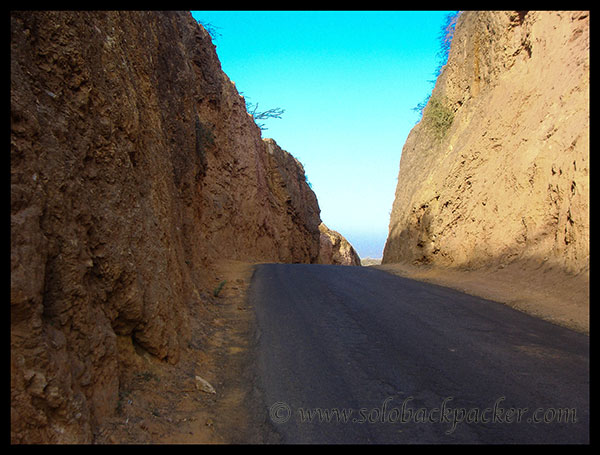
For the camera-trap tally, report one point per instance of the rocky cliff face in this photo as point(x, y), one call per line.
point(134, 166)
point(498, 168)
point(293, 200)
point(335, 249)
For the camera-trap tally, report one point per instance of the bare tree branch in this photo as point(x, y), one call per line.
point(252, 109)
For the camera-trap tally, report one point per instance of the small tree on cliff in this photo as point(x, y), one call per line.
point(252, 109)
point(211, 29)
point(445, 40)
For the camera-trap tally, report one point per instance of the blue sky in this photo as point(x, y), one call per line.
point(348, 81)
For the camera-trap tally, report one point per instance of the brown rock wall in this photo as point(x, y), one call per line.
point(335, 249)
point(508, 179)
point(134, 166)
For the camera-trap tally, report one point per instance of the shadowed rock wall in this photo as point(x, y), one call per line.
point(134, 166)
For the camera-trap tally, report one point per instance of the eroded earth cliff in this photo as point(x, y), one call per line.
point(497, 170)
point(335, 249)
point(134, 167)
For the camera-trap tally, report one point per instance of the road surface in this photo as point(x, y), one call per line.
point(356, 355)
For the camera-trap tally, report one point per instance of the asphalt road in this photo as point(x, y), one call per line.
point(355, 355)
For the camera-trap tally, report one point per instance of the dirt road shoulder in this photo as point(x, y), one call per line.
point(547, 293)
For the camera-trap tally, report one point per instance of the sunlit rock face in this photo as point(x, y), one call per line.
point(497, 170)
point(335, 249)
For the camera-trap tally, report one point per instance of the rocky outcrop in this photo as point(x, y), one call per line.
point(295, 201)
point(497, 170)
point(134, 166)
point(335, 249)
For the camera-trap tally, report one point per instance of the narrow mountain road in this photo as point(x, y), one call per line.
point(356, 355)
